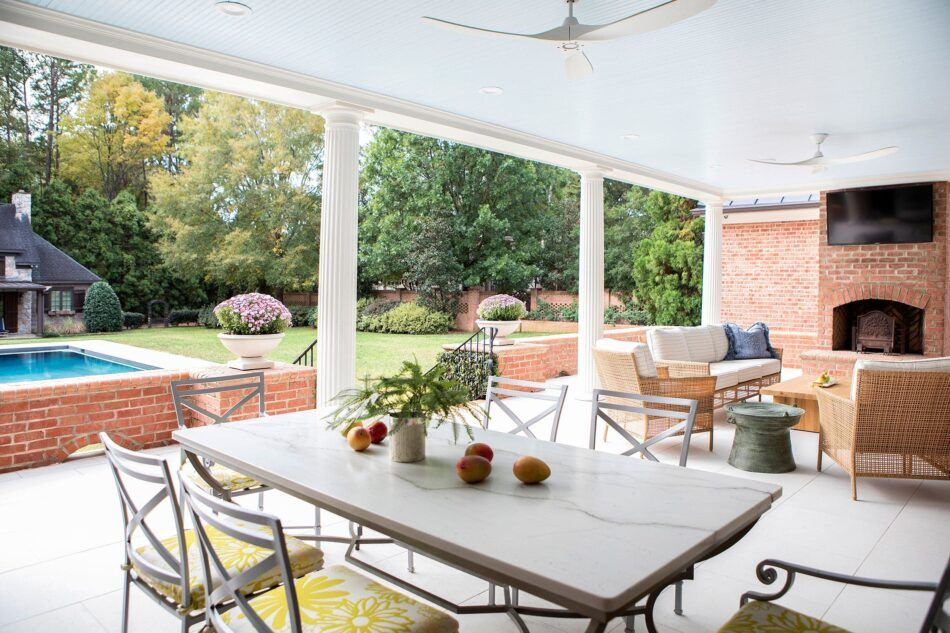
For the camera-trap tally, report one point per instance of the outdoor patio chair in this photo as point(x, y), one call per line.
point(629, 367)
point(758, 612)
point(235, 391)
point(153, 561)
point(606, 405)
point(499, 387)
point(336, 598)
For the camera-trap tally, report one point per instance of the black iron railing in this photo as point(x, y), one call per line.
point(308, 355)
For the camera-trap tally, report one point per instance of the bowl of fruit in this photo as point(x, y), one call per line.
point(825, 380)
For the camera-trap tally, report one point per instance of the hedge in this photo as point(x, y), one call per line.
point(182, 316)
point(101, 309)
point(470, 368)
point(133, 320)
point(207, 318)
point(412, 318)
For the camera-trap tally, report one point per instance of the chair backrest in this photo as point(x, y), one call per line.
point(938, 618)
point(187, 394)
point(603, 401)
point(135, 473)
point(499, 386)
point(233, 520)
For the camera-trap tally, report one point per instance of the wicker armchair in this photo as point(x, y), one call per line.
point(895, 424)
point(628, 367)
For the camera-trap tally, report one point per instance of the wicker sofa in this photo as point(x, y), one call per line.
point(691, 352)
point(895, 424)
point(629, 367)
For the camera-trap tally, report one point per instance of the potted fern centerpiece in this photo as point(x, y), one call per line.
point(413, 400)
point(502, 312)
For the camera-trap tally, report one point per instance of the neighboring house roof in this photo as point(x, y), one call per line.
point(50, 265)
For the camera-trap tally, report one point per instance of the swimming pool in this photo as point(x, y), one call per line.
point(49, 363)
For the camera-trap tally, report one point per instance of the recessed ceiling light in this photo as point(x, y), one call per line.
point(491, 90)
point(234, 9)
point(631, 137)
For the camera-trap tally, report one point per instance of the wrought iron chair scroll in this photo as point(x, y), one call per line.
point(499, 386)
point(149, 472)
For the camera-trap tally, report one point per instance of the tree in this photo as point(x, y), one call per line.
point(15, 71)
point(181, 102)
point(102, 311)
point(56, 86)
point(116, 132)
point(669, 264)
point(243, 214)
point(626, 224)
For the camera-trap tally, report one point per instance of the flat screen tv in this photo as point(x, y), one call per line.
point(892, 215)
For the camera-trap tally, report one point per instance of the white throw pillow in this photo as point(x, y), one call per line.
point(642, 357)
point(941, 364)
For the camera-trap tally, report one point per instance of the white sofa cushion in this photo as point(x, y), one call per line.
point(699, 340)
point(725, 373)
point(749, 369)
point(641, 354)
point(941, 364)
point(769, 366)
point(720, 341)
point(668, 344)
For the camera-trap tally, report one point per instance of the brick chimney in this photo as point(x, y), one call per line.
point(23, 203)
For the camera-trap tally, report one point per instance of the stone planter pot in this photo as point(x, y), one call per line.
point(408, 444)
point(504, 328)
point(250, 349)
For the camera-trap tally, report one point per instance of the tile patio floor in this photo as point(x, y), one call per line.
point(59, 562)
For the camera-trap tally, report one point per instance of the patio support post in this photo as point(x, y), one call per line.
point(712, 264)
point(336, 318)
point(590, 313)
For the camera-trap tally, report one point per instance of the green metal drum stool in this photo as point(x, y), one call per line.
point(762, 443)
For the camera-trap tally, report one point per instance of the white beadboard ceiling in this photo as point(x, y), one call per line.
point(745, 79)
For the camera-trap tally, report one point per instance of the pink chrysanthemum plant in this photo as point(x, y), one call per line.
point(253, 313)
point(501, 308)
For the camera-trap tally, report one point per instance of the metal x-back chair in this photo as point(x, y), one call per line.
point(153, 474)
point(500, 387)
point(681, 409)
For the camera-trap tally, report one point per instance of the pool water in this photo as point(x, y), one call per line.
point(50, 364)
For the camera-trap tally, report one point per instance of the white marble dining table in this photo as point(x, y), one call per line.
point(603, 532)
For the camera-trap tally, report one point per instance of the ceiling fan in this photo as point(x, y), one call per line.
point(571, 35)
point(818, 162)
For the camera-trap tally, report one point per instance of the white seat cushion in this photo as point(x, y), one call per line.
point(641, 354)
point(341, 600)
point(726, 375)
point(769, 366)
point(745, 369)
point(941, 364)
point(668, 344)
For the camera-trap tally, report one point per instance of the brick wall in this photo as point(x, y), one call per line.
point(41, 425)
point(915, 274)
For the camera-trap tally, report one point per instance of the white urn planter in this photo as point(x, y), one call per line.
point(408, 443)
point(250, 349)
point(505, 328)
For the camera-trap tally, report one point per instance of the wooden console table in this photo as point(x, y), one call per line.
point(800, 392)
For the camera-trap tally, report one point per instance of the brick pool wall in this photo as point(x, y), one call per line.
point(43, 424)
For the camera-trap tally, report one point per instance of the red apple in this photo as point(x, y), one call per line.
point(377, 431)
point(473, 468)
point(358, 438)
point(480, 449)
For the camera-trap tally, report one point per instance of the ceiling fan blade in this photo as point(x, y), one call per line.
point(814, 160)
point(658, 17)
point(472, 30)
point(857, 158)
point(577, 65)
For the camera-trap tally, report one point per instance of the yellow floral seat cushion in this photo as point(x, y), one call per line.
point(230, 479)
point(236, 555)
point(341, 600)
point(768, 617)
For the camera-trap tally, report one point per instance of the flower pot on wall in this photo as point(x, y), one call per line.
point(250, 349)
point(505, 328)
point(407, 444)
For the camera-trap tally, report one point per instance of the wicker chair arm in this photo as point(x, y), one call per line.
point(683, 368)
point(836, 415)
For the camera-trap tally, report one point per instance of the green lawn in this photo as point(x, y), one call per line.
point(375, 353)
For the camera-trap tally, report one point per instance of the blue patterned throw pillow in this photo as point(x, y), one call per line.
point(750, 343)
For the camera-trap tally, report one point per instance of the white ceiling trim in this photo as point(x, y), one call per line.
point(53, 33)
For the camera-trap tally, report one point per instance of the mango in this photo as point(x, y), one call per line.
point(531, 470)
point(473, 468)
point(480, 448)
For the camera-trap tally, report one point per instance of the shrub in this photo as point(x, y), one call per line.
point(207, 318)
point(133, 320)
point(501, 308)
point(183, 316)
point(569, 313)
point(472, 369)
point(253, 313)
point(298, 315)
point(66, 327)
point(544, 311)
point(312, 317)
point(412, 318)
point(369, 316)
point(102, 310)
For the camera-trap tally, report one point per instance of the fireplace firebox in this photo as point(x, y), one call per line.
point(877, 325)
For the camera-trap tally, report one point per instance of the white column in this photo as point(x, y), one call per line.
point(590, 303)
point(336, 326)
point(712, 265)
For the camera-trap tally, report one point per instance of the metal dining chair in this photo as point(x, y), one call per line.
point(188, 395)
point(337, 598)
point(500, 387)
point(681, 414)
